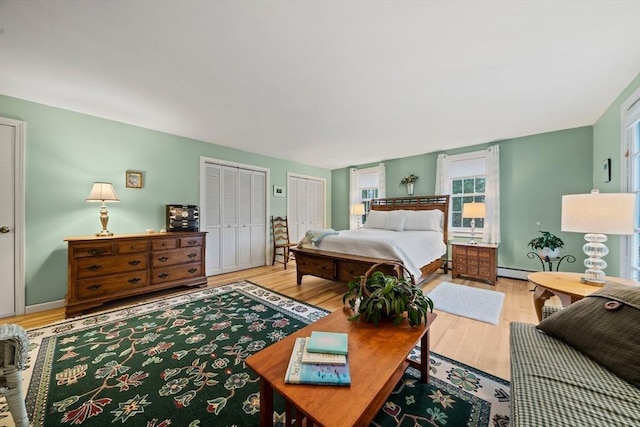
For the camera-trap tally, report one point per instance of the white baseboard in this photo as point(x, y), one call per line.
point(510, 273)
point(513, 274)
point(44, 306)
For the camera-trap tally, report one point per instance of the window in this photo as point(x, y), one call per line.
point(631, 124)
point(366, 184)
point(466, 190)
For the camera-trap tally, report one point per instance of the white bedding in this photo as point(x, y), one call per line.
point(414, 248)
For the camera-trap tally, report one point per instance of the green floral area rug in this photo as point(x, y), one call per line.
point(179, 361)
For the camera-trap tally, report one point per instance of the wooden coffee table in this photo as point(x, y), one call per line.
point(566, 286)
point(377, 360)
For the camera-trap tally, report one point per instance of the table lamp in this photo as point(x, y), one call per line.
point(357, 209)
point(597, 215)
point(473, 210)
point(103, 192)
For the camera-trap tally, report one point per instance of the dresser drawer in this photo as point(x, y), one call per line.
point(101, 286)
point(102, 266)
point(319, 267)
point(133, 246)
point(169, 274)
point(186, 242)
point(92, 249)
point(162, 244)
point(179, 256)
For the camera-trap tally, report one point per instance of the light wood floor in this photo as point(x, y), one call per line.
point(474, 343)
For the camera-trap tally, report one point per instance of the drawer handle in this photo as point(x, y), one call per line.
point(192, 270)
point(95, 251)
point(134, 280)
point(192, 255)
point(163, 258)
point(94, 287)
point(192, 242)
point(163, 275)
point(94, 267)
point(134, 262)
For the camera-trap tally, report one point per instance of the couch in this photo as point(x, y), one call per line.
point(555, 380)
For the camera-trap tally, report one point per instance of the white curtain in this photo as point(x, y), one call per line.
point(382, 181)
point(443, 182)
point(491, 233)
point(354, 197)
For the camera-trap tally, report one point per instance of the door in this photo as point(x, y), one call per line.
point(305, 205)
point(11, 201)
point(233, 211)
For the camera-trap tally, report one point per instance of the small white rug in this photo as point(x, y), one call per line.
point(474, 303)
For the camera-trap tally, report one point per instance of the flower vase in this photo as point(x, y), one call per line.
point(410, 188)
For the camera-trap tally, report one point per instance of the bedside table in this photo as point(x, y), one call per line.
point(478, 261)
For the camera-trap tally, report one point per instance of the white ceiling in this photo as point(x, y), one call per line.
point(327, 83)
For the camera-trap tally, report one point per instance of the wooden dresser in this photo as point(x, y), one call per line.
point(102, 269)
point(478, 261)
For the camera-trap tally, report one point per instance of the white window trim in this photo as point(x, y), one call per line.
point(630, 105)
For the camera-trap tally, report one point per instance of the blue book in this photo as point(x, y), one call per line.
point(328, 342)
point(311, 373)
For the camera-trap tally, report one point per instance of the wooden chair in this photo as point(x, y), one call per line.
point(14, 345)
point(281, 243)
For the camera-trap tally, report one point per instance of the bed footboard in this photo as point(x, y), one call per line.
point(344, 267)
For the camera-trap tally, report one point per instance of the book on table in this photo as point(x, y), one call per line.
point(322, 358)
point(314, 373)
point(328, 342)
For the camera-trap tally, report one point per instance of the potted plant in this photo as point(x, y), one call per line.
point(547, 245)
point(377, 296)
point(408, 181)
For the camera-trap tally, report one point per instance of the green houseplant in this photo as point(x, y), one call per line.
point(377, 296)
point(547, 240)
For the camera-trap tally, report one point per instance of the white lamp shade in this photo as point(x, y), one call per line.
point(357, 209)
point(474, 210)
point(102, 192)
point(608, 213)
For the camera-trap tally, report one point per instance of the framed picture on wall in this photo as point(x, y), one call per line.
point(606, 169)
point(133, 179)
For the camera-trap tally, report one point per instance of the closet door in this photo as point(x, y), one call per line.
point(212, 217)
point(258, 219)
point(234, 217)
point(229, 245)
point(305, 205)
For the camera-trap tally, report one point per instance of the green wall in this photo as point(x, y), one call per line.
point(66, 152)
point(606, 144)
point(535, 171)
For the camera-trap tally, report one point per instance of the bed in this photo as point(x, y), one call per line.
point(341, 256)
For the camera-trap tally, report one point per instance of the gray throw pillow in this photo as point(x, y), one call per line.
point(604, 326)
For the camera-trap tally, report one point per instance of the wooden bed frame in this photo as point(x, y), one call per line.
point(344, 267)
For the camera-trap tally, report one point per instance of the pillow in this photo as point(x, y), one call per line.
point(376, 219)
point(604, 326)
point(430, 220)
point(395, 221)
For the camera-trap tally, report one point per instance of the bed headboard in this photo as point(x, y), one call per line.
point(416, 203)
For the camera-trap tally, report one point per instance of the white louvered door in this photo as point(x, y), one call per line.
point(234, 215)
point(305, 205)
point(229, 244)
point(211, 217)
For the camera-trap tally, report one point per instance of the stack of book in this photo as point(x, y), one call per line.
point(319, 359)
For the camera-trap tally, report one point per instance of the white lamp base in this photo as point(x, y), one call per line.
point(595, 249)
